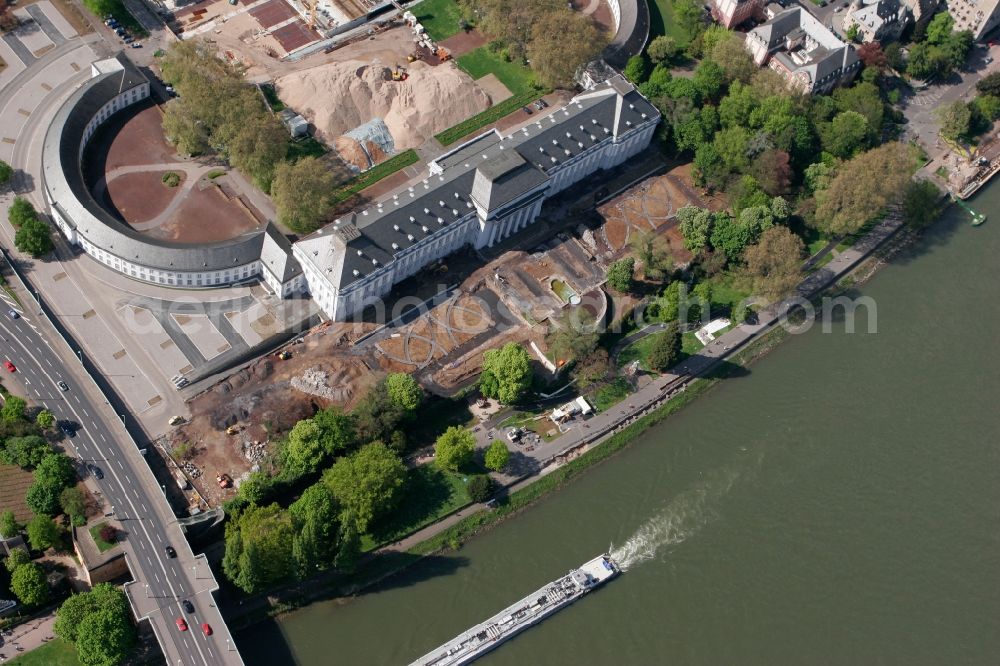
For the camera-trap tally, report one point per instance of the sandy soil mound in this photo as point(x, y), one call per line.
point(339, 96)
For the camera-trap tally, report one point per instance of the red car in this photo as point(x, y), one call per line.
point(181, 624)
point(10, 366)
point(207, 629)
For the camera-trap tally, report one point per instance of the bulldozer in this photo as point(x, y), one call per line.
point(399, 74)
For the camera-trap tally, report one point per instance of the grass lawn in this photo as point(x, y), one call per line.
point(530, 421)
point(480, 62)
point(430, 494)
point(663, 22)
point(271, 95)
point(638, 351)
point(439, 17)
point(102, 545)
point(101, 8)
point(726, 294)
point(56, 652)
point(611, 394)
point(436, 415)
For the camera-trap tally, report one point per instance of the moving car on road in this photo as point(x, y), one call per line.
point(95, 470)
point(13, 314)
point(207, 629)
point(62, 385)
point(170, 551)
point(188, 606)
point(10, 366)
point(181, 624)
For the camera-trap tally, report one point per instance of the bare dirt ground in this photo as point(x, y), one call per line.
point(209, 213)
point(130, 139)
point(262, 402)
point(140, 196)
point(14, 483)
point(463, 42)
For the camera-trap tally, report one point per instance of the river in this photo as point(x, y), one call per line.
point(839, 504)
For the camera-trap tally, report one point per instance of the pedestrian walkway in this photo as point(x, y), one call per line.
point(28, 636)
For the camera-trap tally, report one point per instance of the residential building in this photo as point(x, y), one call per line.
point(477, 194)
point(731, 13)
point(976, 16)
point(804, 51)
point(877, 20)
point(922, 10)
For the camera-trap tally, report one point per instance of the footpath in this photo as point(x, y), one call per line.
point(26, 637)
point(582, 436)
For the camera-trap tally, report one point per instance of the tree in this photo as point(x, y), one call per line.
point(45, 419)
point(317, 533)
point(255, 488)
point(28, 584)
point(733, 235)
point(561, 42)
point(690, 17)
point(856, 195)
point(13, 409)
point(710, 170)
point(25, 452)
point(366, 484)
point(774, 265)
point(652, 250)
point(989, 84)
point(16, 558)
point(34, 237)
point(259, 548)
point(921, 203)
point(988, 107)
point(695, 226)
point(620, 274)
point(73, 502)
point(480, 487)
point(73, 611)
point(21, 211)
point(6, 171)
point(303, 193)
point(506, 373)
point(44, 533)
point(845, 134)
point(55, 469)
point(666, 350)
point(872, 55)
point(571, 337)
point(8, 524)
point(662, 49)
point(105, 638)
point(730, 53)
point(43, 498)
point(955, 119)
point(377, 415)
point(497, 456)
point(592, 368)
point(940, 28)
point(404, 390)
point(773, 170)
point(636, 69)
point(709, 79)
point(454, 448)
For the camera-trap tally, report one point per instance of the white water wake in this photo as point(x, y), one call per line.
point(682, 517)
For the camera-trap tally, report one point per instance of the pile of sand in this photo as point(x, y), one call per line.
point(339, 96)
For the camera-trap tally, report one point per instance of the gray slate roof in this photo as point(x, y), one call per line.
point(65, 182)
point(513, 165)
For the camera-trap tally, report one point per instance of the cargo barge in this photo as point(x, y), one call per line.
point(532, 609)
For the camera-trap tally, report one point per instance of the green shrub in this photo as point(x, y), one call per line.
point(171, 179)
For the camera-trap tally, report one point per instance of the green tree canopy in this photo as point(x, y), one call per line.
point(921, 203)
point(34, 237)
point(259, 548)
point(480, 487)
point(663, 49)
point(74, 610)
point(6, 171)
point(695, 226)
point(367, 484)
point(506, 373)
point(377, 415)
point(774, 265)
point(8, 524)
point(620, 274)
point(989, 84)
point(25, 452)
point(845, 135)
point(13, 409)
point(666, 350)
point(43, 498)
point(404, 390)
point(21, 211)
point(55, 469)
point(16, 558)
point(454, 448)
point(497, 456)
point(317, 534)
point(72, 501)
point(572, 336)
point(303, 192)
point(44, 533)
point(636, 69)
point(105, 638)
point(955, 120)
point(854, 197)
point(561, 42)
point(45, 419)
point(29, 585)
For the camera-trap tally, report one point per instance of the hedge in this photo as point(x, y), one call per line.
point(375, 174)
point(490, 115)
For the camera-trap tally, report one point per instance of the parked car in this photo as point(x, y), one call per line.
point(136, 45)
point(67, 429)
point(13, 314)
point(181, 624)
point(188, 606)
point(542, 102)
point(171, 553)
point(62, 385)
point(95, 470)
point(207, 629)
point(527, 110)
point(10, 366)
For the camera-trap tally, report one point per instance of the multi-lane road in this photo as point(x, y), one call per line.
point(127, 489)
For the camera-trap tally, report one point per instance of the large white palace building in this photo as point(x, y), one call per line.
point(477, 194)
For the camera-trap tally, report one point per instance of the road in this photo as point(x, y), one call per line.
point(128, 490)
